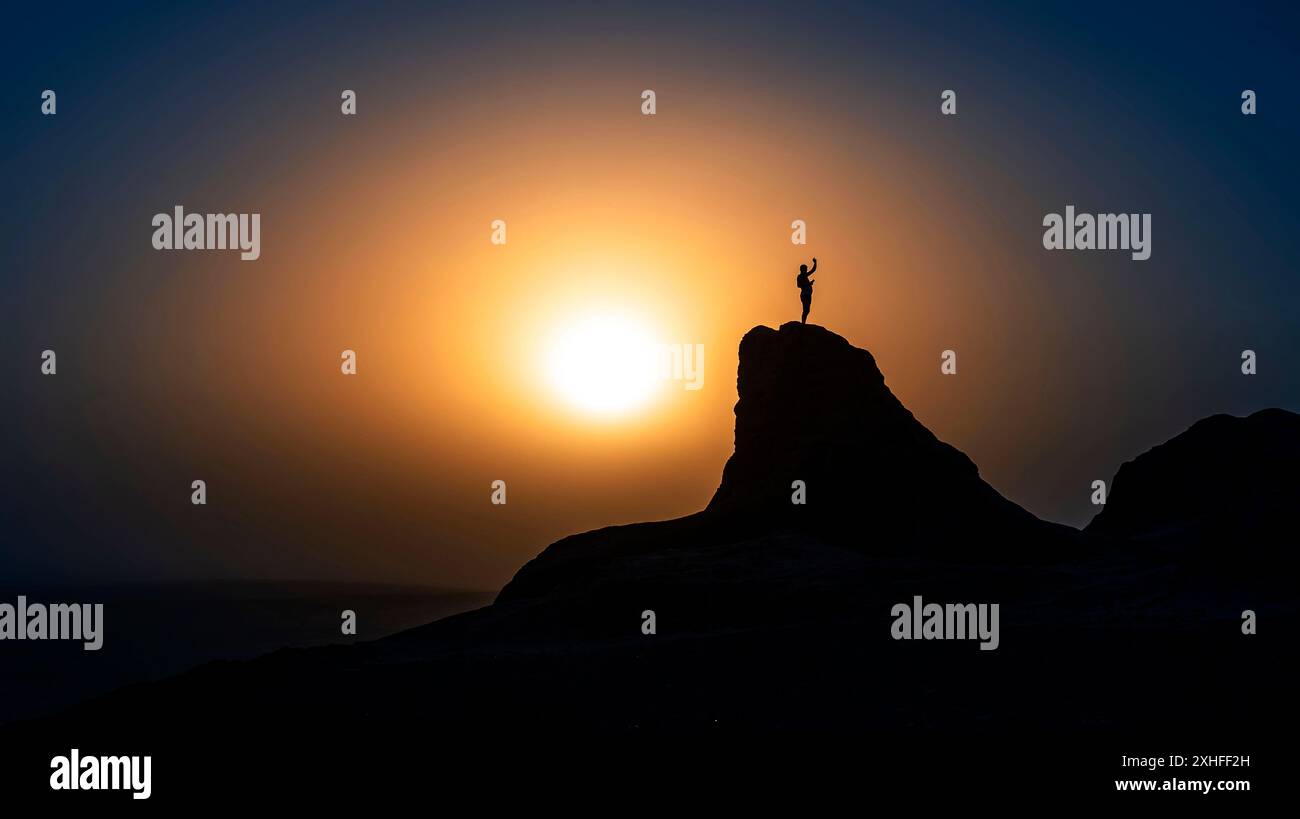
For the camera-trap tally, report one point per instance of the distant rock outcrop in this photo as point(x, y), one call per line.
point(1225, 483)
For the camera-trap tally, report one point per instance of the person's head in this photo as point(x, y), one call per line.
point(803, 268)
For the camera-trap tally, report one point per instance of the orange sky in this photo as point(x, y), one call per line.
point(682, 219)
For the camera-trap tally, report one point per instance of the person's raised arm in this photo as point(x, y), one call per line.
point(813, 269)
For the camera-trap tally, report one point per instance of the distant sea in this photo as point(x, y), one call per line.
point(158, 630)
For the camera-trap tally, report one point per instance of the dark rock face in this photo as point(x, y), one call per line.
point(816, 409)
point(1225, 484)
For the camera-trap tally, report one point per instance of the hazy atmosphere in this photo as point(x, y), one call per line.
point(375, 237)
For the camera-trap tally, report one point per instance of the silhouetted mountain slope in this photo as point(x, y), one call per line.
point(811, 408)
point(1224, 484)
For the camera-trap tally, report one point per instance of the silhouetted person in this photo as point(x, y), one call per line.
point(804, 282)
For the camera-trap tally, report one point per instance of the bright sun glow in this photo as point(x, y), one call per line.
point(603, 364)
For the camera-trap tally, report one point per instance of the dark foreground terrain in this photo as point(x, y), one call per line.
point(158, 630)
point(773, 657)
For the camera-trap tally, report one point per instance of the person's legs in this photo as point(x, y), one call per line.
point(807, 303)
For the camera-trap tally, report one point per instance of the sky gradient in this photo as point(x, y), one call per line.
point(375, 237)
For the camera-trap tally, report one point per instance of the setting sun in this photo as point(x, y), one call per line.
point(603, 364)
